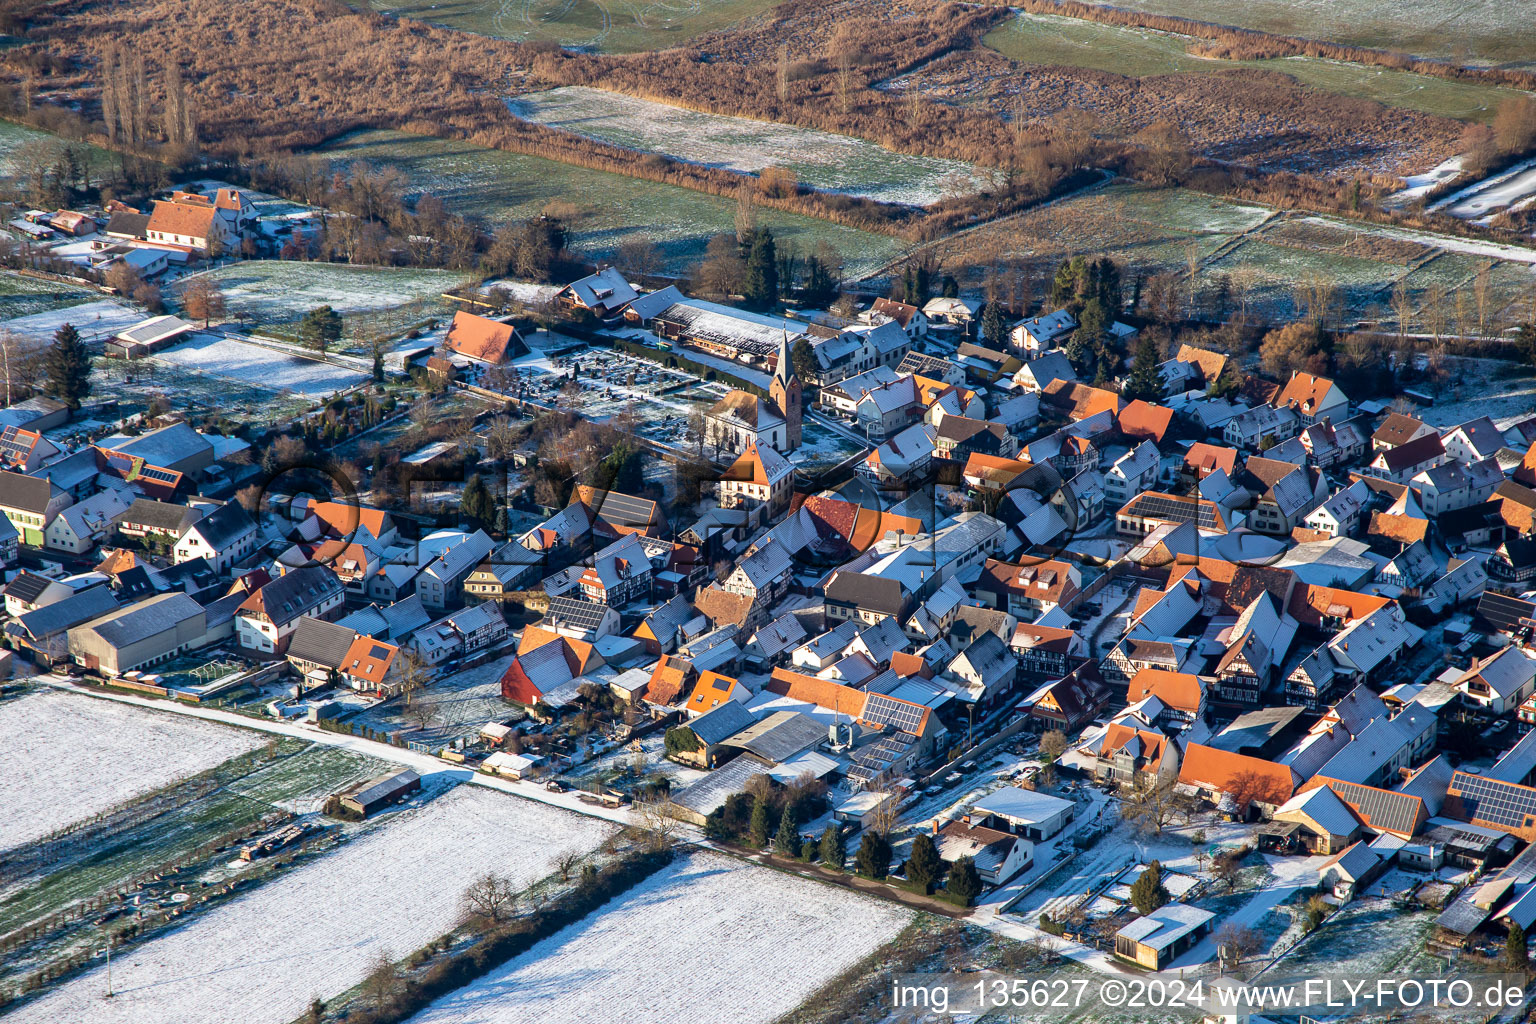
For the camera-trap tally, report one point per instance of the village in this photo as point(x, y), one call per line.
point(1135, 656)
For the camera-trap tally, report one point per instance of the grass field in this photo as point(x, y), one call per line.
point(823, 160)
point(612, 208)
point(1248, 249)
point(258, 366)
point(278, 292)
point(23, 147)
point(1049, 40)
point(27, 296)
point(612, 26)
point(297, 780)
point(1480, 31)
point(135, 385)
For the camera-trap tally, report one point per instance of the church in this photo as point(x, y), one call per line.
point(742, 419)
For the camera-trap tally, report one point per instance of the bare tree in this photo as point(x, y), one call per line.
point(661, 821)
point(414, 673)
point(1402, 308)
point(1151, 805)
point(1481, 285)
point(844, 81)
point(379, 985)
point(1433, 309)
point(1236, 942)
point(567, 863)
point(746, 214)
point(491, 898)
point(1053, 743)
point(885, 814)
point(782, 76)
point(201, 299)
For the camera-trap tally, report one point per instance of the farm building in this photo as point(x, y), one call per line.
point(140, 635)
point(724, 330)
point(152, 335)
point(375, 794)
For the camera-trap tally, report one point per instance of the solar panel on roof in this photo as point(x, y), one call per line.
point(882, 710)
point(1500, 803)
point(378, 652)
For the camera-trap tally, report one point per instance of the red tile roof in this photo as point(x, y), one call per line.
point(1145, 420)
point(480, 337)
point(1241, 777)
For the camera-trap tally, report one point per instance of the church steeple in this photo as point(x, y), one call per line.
point(784, 391)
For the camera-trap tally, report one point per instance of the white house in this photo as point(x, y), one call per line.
point(1132, 473)
point(224, 536)
point(82, 526)
point(1499, 683)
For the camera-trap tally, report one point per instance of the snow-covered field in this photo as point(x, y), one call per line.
point(279, 290)
point(96, 321)
point(259, 959)
point(823, 160)
point(65, 757)
point(258, 365)
point(761, 943)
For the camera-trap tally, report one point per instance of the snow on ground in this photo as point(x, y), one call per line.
point(258, 365)
point(1416, 185)
point(64, 758)
point(823, 160)
point(1493, 194)
point(764, 942)
point(1479, 387)
point(316, 930)
point(96, 321)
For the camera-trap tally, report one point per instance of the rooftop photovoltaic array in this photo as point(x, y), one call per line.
point(1503, 804)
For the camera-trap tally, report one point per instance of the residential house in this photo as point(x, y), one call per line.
point(1041, 333)
point(79, 528)
point(1284, 494)
point(374, 666)
point(997, 856)
point(1132, 473)
point(225, 536)
point(1398, 429)
point(30, 504)
point(317, 649)
point(580, 618)
point(759, 479)
point(1313, 399)
point(1339, 516)
point(1499, 683)
point(1454, 485)
point(1182, 695)
point(453, 556)
point(25, 451)
point(267, 618)
point(909, 318)
point(483, 340)
point(603, 294)
point(1403, 462)
point(1031, 589)
point(508, 570)
point(1473, 441)
point(1247, 430)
